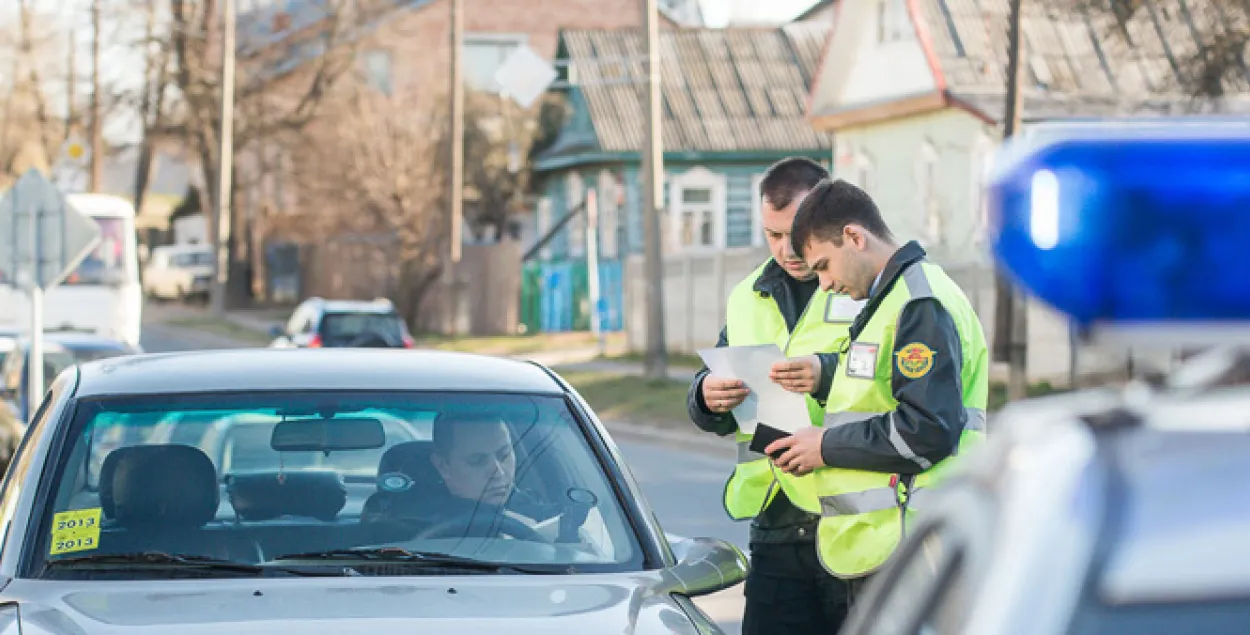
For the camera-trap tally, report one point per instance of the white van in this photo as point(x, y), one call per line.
point(102, 295)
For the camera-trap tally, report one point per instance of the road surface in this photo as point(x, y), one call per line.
point(683, 487)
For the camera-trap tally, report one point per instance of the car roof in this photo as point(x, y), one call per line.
point(76, 339)
point(262, 369)
point(380, 306)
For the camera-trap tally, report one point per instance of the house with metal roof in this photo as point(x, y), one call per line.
point(733, 104)
point(914, 91)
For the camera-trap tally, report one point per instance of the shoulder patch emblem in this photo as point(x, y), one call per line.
point(915, 360)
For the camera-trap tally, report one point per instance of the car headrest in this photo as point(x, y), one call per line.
point(158, 485)
point(319, 494)
point(410, 459)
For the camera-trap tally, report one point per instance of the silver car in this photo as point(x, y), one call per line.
point(1098, 513)
point(500, 505)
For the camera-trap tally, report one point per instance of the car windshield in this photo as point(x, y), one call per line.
point(106, 264)
point(285, 479)
point(344, 328)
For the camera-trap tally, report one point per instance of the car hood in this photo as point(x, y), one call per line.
point(599, 603)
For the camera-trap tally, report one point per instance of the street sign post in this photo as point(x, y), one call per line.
point(42, 238)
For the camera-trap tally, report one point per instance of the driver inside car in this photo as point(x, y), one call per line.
point(474, 456)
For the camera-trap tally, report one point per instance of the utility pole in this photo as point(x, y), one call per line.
point(97, 127)
point(226, 163)
point(656, 362)
point(71, 90)
point(457, 127)
point(1011, 308)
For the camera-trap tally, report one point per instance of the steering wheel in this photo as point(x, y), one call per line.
point(508, 525)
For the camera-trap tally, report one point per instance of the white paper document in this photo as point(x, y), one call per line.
point(767, 402)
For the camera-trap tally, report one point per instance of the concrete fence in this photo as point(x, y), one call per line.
point(697, 286)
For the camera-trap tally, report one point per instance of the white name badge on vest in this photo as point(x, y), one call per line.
point(861, 360)
point(841, 309)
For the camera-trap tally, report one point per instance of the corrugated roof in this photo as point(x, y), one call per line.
point(735, 89)
point(1083, 61)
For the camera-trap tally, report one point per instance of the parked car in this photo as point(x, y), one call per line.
point(518, 515)
point(61, 350)
point(178, 272)
point(320, 323)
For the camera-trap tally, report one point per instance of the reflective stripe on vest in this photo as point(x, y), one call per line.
point(860, 521)
point(752, 319)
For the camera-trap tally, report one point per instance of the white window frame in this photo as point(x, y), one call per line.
point(930, 223)
point(574, 194)
point(865, 172)
point(387, 84)
point(981, 162)
point(609, 215)
point(757, 212)
point(516, 39)
point(698, 178)
point(893, 21)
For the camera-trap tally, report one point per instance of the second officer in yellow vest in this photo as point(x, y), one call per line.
point(910, 389)
point(779, 302)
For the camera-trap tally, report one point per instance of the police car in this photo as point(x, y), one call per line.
point(1110, 511)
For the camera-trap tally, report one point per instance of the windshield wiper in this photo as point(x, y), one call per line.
point(429, 558)
point(178, 561)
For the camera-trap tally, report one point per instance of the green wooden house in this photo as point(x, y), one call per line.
point(734, 102)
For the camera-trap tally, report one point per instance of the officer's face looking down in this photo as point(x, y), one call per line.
point(840, 234)
point(777, 223)
point(843, 268)
point(477, 462)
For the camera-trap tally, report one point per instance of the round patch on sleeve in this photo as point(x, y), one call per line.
point(915, 360)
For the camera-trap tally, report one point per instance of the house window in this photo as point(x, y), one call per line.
point(698, 210)
point(544, 225)
point(609, 192)
point(575, 191)
point(982, 163)
point(893, 22)
point(757, 211)
point(865, 172)
point(377, 69)
point(484, 53)
point(927, 194)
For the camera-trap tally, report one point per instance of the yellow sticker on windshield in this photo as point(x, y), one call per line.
point(77, 530)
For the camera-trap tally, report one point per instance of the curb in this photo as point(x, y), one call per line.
point(704, 442)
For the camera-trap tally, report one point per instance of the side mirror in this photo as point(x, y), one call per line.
point(706, 565)
point(277, 331)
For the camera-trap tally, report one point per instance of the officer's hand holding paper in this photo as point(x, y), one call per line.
point(767, 403)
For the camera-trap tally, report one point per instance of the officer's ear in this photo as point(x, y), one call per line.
point(855, 236)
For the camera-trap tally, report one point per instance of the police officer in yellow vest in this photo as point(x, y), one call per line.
point(909, 392)
point(786, 589)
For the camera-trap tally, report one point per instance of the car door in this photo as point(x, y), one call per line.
point(934, 579)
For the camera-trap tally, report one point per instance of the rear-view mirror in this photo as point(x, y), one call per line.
point(343, 433)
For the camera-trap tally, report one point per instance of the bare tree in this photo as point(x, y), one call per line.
point(498, 137)
point(283, 73)
point(31, 132)
point(380, 172)
point(1211, 69)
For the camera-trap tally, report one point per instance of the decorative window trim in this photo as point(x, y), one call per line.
point(699, 178)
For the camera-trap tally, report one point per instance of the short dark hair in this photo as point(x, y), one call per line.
point(790, 177)
point(829, 208)
point(445, 424)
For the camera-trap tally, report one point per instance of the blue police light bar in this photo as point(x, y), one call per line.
point(1138, 226)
